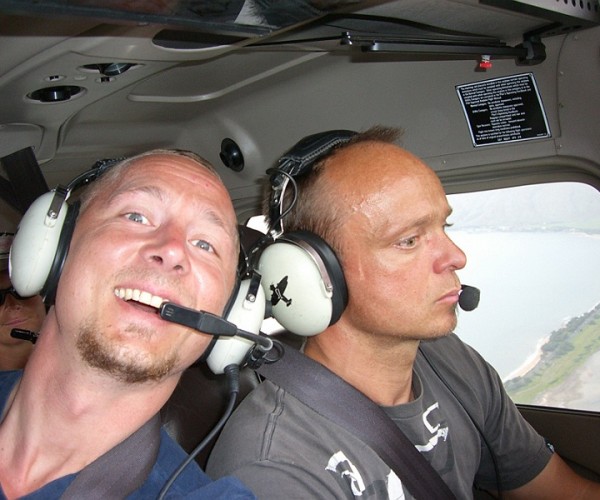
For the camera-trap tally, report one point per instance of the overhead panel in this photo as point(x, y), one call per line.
point(565, 15)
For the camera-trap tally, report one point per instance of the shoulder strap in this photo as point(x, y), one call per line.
point(332, 397)
point(121, 470)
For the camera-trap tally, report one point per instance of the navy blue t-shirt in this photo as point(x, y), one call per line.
point(191, 483)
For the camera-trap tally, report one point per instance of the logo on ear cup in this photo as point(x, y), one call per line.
point(278, 291)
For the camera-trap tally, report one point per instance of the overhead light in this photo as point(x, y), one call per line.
point(109, 69)
point(114, 69)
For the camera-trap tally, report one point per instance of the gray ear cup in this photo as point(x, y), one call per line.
point(247, 313)
point(304, 282)
point(37, 240)
point(42, 240)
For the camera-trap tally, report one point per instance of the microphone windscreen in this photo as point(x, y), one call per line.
point(468, 298)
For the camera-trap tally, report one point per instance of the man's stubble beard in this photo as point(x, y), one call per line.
point(105, 355)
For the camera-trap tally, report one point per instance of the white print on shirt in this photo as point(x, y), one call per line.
point(338, 463)
point(390, 487)
point(394, 487)
point(340, 466)
point(437, 431)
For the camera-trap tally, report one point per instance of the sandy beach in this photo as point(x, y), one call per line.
point(530, 362)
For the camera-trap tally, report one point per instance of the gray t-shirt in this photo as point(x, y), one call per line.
point(281, 448)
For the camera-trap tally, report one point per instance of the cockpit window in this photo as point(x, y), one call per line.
point(533, 252)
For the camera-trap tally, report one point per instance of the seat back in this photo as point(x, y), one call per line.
point(197, 404)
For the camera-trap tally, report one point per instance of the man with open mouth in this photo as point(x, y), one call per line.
point(156, 227)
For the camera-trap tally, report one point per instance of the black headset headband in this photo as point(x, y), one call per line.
point(99, 168)
point(301, 157)
point(298, 161)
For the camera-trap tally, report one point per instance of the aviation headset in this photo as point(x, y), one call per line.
point(40, 248)
point(301, 275)
point(42, 239)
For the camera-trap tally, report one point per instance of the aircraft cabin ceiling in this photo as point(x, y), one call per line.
point(83, 81)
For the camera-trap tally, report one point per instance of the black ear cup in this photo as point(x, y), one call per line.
point(304, 282)
point(37, 242)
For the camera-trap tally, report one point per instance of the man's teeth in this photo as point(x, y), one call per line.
point(139, 296)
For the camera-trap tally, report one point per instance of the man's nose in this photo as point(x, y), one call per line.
point(168, 247)
point(452, 257)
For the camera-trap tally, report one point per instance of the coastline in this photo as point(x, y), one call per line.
point(531, 361)
point(562, 370)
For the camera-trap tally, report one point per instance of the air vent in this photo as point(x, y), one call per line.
point(59, 93)
point(109, 69)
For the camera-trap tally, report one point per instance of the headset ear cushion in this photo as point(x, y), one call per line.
point(35, 244)
point(304, 281)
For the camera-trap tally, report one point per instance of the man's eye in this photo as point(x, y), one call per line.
point(408, 242)
point(203, 244)
point(136, 217)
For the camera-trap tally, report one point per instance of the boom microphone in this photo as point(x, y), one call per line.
point(19, 333)
point(198, 320)
point(468, 298)
point(208, 323)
